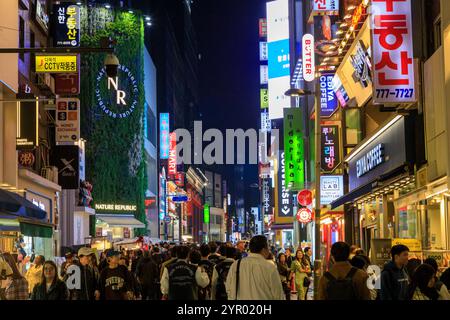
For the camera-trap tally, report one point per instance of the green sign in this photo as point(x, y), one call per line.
point(294, 156)
point(264, 98)
point(206, 213)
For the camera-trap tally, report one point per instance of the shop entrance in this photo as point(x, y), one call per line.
point(368, 233)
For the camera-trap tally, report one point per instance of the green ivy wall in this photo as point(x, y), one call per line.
point(115, 161)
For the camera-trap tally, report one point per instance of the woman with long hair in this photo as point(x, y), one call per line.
point(51, 287)
point(423, 284)
point(300, 268)
point(17, 285)
point(284, 272)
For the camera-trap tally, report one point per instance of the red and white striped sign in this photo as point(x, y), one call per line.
point(173, 154)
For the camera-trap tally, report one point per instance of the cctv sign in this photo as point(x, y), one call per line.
point(117, 97)
point(309, 62)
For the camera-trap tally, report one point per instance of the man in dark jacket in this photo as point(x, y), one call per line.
point(214, 257)
point(208, 266)
point(148, 276)
point(88, 283)
point(394, 277)
point(181, 280)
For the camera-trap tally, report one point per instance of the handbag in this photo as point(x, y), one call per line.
point(306, 282)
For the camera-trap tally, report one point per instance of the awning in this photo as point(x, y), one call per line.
point(14, 204)
point(124, 221)
point(36, 230)
point(28, 227)
point(349, 197)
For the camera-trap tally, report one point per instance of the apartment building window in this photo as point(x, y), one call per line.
point(21, 37)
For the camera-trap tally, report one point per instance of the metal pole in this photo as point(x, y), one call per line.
point(318, 260)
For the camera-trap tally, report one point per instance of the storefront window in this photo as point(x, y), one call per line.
point(407, 222)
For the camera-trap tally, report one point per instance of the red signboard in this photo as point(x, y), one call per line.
point(173, 154)
point(393, 52)
point(262, 28)
point(179, 179)
point(304, 198)
point(67, 84)
point(304, 215)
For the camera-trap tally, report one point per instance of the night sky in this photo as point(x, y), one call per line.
point(228, 39)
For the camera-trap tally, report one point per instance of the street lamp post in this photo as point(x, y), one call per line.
point(294, 92)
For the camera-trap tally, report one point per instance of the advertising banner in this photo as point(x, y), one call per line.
point(309, 60)
point(326, 6)
point(393, 52)
point(266, 195)
point(279, 56)
point(67, 84)
point(294, 149)
point(172, 166)
point(264, 74)
point(263, 54)
point(264, 93)
point(331, 157)
point(67, 120)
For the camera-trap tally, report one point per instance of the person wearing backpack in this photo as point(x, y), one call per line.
point(208, 266)
point(343, 281)
point(220, 273)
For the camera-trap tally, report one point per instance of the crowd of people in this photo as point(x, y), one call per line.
point(220, 271)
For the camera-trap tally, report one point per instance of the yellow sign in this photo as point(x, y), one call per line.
point(56, 63)
point(413, 245)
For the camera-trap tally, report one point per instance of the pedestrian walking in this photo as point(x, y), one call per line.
point(70, 259)
point(343, 281)
point(220, 273)
point(34, 274)
point(172, 258)
point(394, 277)
point(181, 280)
point(88, 290)
point(300, 269)
point(148, 277)
point(439, 285)
point(50, 287)
point(208, 266)
point(284, 272)
point(241, 248)
point(362, 262)
point(423, 284)
point(289, 258)
point(16, 284)
point(115, 281)
point(254, 278)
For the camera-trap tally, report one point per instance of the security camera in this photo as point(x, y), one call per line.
point(111, 64)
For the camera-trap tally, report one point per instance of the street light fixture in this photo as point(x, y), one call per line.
point(296, 92)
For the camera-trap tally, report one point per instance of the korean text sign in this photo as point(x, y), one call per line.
point(294, 149)
point(393, 52)
point(66, 22)
point(328, 100)
point(330, 157)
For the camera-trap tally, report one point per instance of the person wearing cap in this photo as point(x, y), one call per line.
point(88, 283)
point(115, 281)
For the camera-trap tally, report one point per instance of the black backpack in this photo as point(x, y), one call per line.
point(341, 289)
point(222, 270)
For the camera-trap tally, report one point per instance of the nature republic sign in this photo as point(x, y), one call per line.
point(117, 97)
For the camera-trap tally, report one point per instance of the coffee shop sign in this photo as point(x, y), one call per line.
point(370, 160)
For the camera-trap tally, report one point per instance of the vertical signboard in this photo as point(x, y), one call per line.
point(27, 136)
point(309, 60)
point(67, 160)
point(67, 120)
point(263, 51)
point(330, 148)
point(206, 213)
point(162, 195)
point(328, 100)
point(264, 93)
point(294, 149)
point(262, 28)
point(164, 137)
point(264, 74)
point(285, 203)
point(172, 165)
point(67, 84)
point(393, 52)
point(279, 56)
point(266, 195)
point(66, 24)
